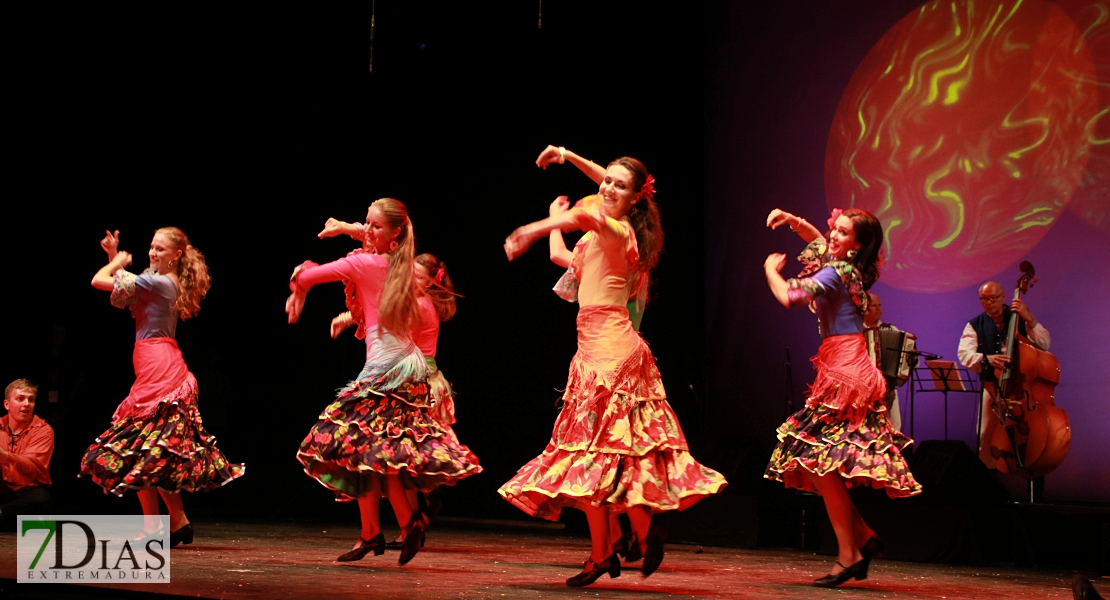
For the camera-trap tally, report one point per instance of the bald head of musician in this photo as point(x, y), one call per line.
point(873, 316)
point(991, 296)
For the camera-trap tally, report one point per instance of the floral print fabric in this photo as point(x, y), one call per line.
point(617, 442)
point(370, 429)
point(167, 449)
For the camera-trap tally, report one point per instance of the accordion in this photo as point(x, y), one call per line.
point(893, 352)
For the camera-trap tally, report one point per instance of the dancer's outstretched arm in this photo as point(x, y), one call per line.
point(103, 278)
point(559, 155)
point(334, 227)
point(798, 225)
point(585, 216)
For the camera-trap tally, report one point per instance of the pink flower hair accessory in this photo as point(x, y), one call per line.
point(836, 212)
point(439, 275)
point(648, 189)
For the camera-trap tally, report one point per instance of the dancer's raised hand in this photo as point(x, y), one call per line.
point(558, 206)
point(110, 243)
point(780, 217)
point(551, 154)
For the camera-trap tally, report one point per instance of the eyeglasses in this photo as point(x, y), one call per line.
point(990, 298)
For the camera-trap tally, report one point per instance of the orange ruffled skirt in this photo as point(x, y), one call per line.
point(617, 442)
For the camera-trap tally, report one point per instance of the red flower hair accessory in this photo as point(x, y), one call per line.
point(836, 212)
point(439, 275)
point(648, 189)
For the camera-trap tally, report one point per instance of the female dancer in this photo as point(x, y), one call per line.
point(617, 445)
point(437, 303)
point(379, 427)
point(157, 444)
point(842, 437)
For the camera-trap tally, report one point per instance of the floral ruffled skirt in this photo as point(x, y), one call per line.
point(844, 427)
point(167, 449)
point(616, 443)
point(441, 395)
point(381, 424)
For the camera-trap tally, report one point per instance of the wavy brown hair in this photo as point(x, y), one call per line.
point(192, 273)
point(441, 293)
point(646, 222)
point(399, 310)
point(869, 233)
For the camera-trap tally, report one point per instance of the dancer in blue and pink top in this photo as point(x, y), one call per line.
point(842, 437)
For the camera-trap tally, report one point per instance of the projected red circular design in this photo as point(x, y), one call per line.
point(966, 130)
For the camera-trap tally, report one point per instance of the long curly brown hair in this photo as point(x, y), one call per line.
point(441, 293)
point(647, 224)
point(192, 273)
point(399, 310)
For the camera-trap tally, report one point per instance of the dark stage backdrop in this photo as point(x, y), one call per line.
point(775, 76)
point(248, 125)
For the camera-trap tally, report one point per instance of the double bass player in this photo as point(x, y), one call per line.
point(982, 349)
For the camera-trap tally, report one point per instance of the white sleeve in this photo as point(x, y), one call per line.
point(1039, 336)
point(968, 352)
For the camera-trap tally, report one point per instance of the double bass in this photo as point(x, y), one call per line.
point(1035, 433)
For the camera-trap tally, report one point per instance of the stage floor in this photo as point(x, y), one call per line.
point(252, 560)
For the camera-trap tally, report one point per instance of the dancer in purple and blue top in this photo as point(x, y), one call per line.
point(842, 438)
point(157, 444)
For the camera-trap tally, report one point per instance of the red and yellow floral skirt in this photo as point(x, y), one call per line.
point(844, 427)
point(617, 442)
point(164, 446)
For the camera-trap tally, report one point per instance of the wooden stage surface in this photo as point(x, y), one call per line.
point(277, 560)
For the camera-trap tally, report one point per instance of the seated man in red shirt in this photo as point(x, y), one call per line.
point(26, 443)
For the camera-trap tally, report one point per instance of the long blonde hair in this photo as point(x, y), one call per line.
point(192, 273)
point(399, 311)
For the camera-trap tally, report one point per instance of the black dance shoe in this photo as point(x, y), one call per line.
point(857, 571)
point(394, 544)
point(653, 556)
point(592, 571)
point(375, 544)
point(183, 535)
point(414, 540)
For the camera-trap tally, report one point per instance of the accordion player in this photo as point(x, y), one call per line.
point(893, 351)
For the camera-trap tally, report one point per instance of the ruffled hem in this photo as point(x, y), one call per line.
point(616, 443)
point(817, 440)
point(168, 449)
point(665, 479)
point(367, 431)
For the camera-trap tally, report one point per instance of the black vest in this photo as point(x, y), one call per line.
point(991, 339)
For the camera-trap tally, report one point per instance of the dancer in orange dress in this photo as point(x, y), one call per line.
point(617, 446)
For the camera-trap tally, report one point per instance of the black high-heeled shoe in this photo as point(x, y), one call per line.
point(414, 540)
point(183, 535)
point(592, 571)
point(857, 571)
point(653, 555)
point(633, 554)
point(375, 544)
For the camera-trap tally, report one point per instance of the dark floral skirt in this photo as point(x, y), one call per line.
point(368, 432)
point(168, 449)
point(816, 440)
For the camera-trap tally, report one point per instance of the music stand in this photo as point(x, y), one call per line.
point(946, 376)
